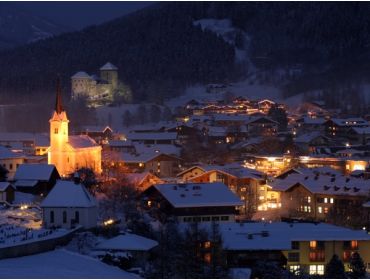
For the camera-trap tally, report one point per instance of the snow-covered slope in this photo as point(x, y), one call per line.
point(19, 27)
point(59, 264)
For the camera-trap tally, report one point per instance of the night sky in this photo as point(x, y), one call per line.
point(80, 14)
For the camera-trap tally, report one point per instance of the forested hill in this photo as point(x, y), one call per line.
point(159, 50)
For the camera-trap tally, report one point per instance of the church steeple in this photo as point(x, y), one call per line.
point(58, 102)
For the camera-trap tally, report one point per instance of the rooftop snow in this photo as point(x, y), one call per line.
point(68, 194)
point(127, 242)
point(108, 66)
point(5, 153)
point(40, 172)
point(152, 136)
point(198, 195)
point(60, 264)
point(81, 141)
point(81, 75)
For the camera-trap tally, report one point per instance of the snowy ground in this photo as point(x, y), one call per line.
point(59, 264)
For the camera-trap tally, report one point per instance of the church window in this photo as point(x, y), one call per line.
point(55, 131)
point(64, 217)
point(51, 216)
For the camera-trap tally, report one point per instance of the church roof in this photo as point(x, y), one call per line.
point(58, 101)
point(81, 75)
point(81, 141)
point(108, 66)
point(68, 194)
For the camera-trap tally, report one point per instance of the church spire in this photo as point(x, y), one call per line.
point(58, 103)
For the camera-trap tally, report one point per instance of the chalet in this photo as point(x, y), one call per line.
point(68, 205)
point(141, 181)
point(6, 192)
point(37, 179)
point(184, 132)
point(261, 126)
point(192, 202)
point(160, 164)
point(101, 134)
point(307, 124)
point(29, 143)
point(125, 146)
point(312, 194)
point(308, 142)
point(294, 245)
point(153, 137)
point(11, 161)
point(248, 184)
point(138, 247)
point(341, 127)
point(265, 105)
point(359, 135)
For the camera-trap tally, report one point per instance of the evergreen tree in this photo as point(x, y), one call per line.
point(279, 115)
point(357, 267)
point(335, 269)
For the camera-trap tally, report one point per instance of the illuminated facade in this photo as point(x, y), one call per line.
point(69, 153)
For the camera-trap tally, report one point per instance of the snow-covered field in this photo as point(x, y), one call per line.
point(59, 264)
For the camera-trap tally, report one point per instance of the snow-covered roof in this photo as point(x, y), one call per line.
point(308, 137)
point(40, 139)
point(198, 195)
point(324, 184)
point(81, 75)
point(5, 185)
point(69, 194)
point(142, 157)
point(26, 183)
point(81, 141)
point(361, 130)
point(313, 121)
point(367, 204)
point(127, 242)
point(60, 264)
point(96, 128)
point(350, 122)
point(248, 236)
point(152, 149)
point(39, 172)
point(152, 136)
point(5, 153)
point(233, 169)
point(108, 66)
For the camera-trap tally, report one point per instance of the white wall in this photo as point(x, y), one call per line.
point(88, 216)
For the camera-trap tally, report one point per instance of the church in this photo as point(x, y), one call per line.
point(70, 152)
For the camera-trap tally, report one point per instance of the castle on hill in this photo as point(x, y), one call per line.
point(97, 89)
point(70, 152)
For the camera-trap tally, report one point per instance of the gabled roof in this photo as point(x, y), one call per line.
point(152, 136)
point(108, 66)
point(198, 195)
point(39, 172)
point(127, 242)
point(5, 185)
point(5, 153)
point(81, 141)
point(68, 194)
point(81, 75)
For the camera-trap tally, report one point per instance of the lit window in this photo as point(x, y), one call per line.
point(207, 244)
point(316, 269)
point(320, 269)
point(331, 200)
point(326, 210)
point(319, 209)
point(354, 244)
point(149, 203)
point(309, 199)
point(313, 244)
point(294, 269)
point(325, 200)
point(309, 209)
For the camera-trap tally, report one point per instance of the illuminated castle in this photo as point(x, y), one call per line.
point(69, 153)
point(96, 89)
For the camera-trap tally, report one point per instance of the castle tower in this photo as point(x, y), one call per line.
point(109, 72)
point(58, 154)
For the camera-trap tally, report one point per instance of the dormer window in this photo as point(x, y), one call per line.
point(56, 131)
